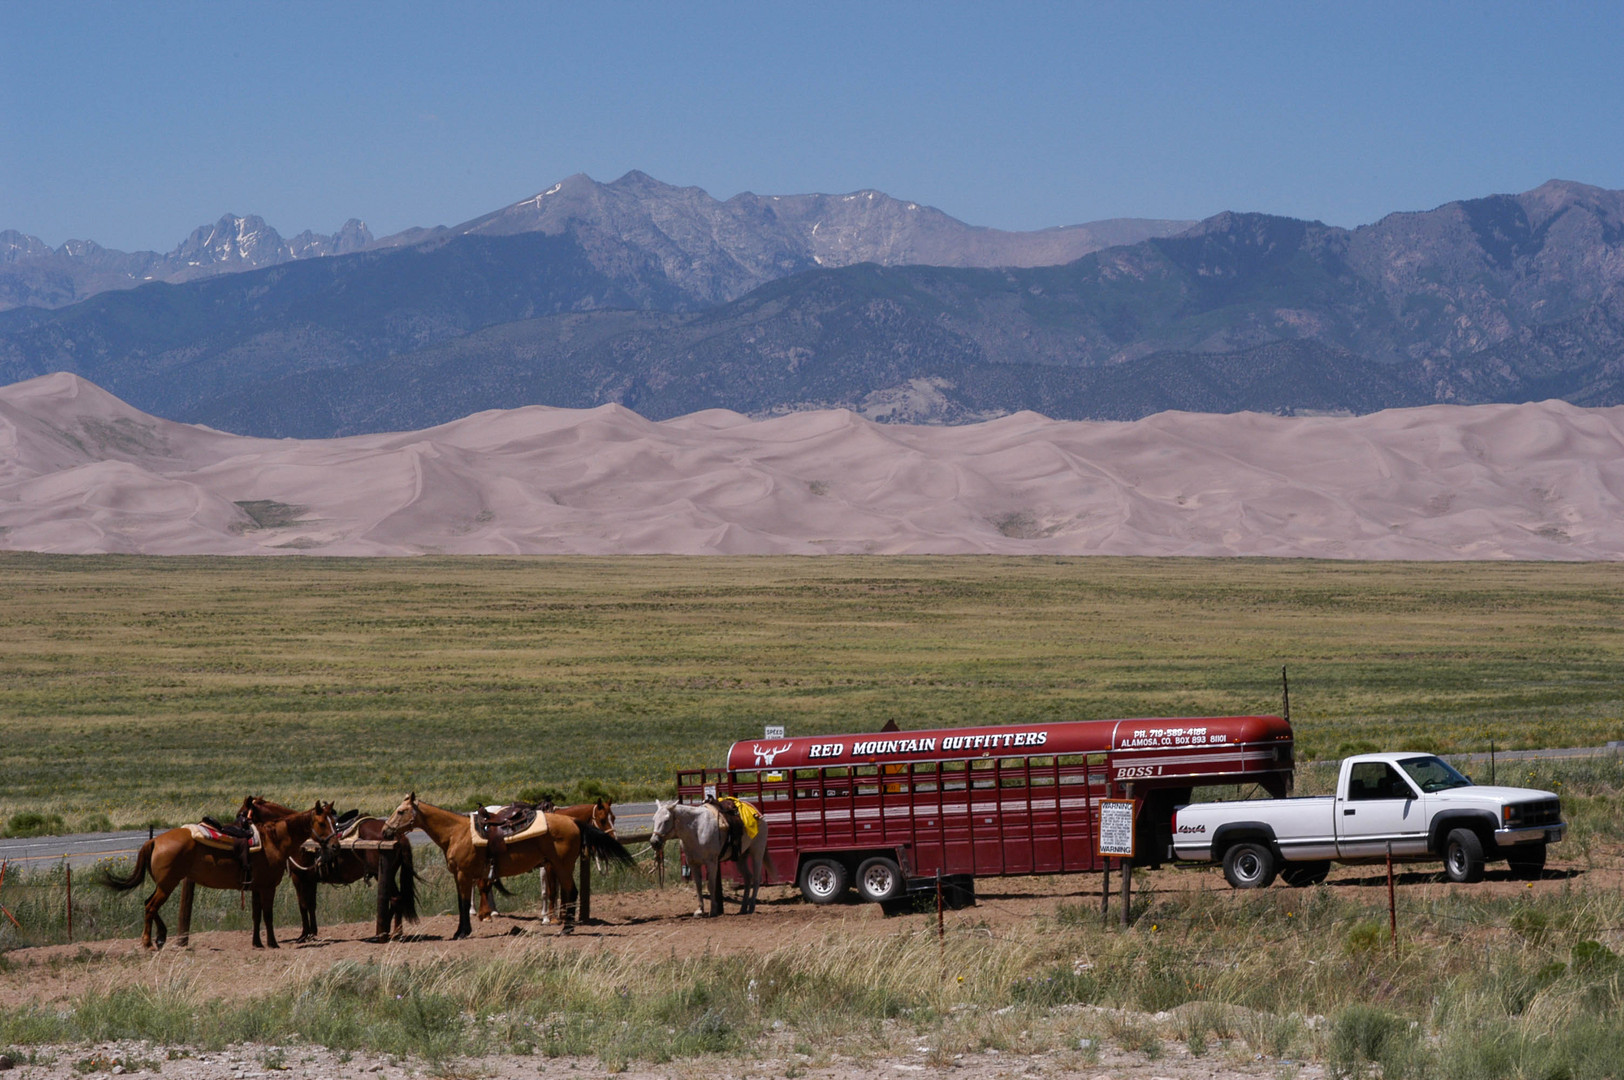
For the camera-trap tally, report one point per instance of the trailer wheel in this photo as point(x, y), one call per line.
point(1301, 875)
point(879, 879)
point(823, 881)
point(1463, 857)
point(1249, 865)
point(1527, 861)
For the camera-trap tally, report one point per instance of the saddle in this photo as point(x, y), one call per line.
point(736, 821)
point(492, 822)
point(211, 833)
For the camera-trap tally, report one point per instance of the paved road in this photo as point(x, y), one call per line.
point(87, 849)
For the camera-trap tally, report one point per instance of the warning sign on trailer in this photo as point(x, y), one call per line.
point(1116, 827)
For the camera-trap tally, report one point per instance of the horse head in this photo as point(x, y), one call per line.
point(322, 829)
point(403, 820)
point(603, 815)
point(663, 825)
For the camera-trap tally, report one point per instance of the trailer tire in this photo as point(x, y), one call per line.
point(1301, 875)
point(1463, 857)
point(880, 879)
point(1527, 861)
point(1249, 865)
point(824, 881)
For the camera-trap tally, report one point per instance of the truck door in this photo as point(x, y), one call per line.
point(1379, 807)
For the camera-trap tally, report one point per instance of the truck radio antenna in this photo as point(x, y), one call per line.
point(1285, 695)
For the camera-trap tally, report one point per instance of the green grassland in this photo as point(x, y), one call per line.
point(143, 689)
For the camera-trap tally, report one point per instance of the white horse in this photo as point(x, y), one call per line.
point(703, 834)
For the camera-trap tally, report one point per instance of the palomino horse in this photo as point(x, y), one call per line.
point(336, 865)
point(704, 834)
point(600, 814)
point(176, 856)
point(559, 847)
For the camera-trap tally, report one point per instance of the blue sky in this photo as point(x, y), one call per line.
point(132, 123)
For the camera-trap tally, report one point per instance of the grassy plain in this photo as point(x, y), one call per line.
point(140, 689)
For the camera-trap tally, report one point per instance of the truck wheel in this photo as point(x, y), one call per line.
point(1527, 861)
point(1463, 857)
point(879, 879)
point(1249, 866)
point(823, 881)
point(1300, 875)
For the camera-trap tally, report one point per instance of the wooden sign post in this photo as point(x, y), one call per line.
point(1116, 837)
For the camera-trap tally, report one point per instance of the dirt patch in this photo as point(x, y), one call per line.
point(315, 1063)
point(659, 924)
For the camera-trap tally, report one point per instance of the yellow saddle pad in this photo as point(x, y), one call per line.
point(209, 838)
point(537, 827)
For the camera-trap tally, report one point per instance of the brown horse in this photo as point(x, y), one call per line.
point(336, 865)
point(558, 847)
point(176, 856)
point(600, 814)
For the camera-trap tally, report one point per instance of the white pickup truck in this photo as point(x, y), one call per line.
point(1415, 802)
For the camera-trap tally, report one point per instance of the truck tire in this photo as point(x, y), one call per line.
point(1527, 861)
point(1302, 874)
point(1249, 865)
point(879, 879)
point(1463, 857)
point(824, 881)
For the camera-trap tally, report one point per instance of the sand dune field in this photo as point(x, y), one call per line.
point(80, 471)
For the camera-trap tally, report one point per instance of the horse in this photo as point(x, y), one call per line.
point(176, 856)
point(703, 834)
point(559, 847)
point(600, 814)
point(336, 865)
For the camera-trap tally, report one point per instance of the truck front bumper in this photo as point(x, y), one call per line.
point(1533, 834)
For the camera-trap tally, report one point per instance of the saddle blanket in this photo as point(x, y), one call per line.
point(537, 827)
point(747, 813)
point(216, 839)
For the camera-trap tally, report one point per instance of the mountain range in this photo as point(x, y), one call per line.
point(667, 301)
point(715, 250)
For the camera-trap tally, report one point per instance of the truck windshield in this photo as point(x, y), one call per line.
point(1433, 774)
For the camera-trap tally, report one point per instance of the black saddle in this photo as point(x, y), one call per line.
point(510, 819)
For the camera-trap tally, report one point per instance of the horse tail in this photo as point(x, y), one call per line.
point(594, 841)
point(406, 898)
point(138, 875)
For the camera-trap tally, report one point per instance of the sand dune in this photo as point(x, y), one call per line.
point(80, 471)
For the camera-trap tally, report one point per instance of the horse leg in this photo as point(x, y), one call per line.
point(304, 889)
point(697, 870)
point(566, 885)
point(716, 888)
point(465, 900)
point(154, 905)
point(254, 907)
point(547, 887)
point(184, 919)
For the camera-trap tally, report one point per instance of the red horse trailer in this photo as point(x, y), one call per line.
point(879, 810)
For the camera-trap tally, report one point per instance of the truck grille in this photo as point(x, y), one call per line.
point(1544, 812)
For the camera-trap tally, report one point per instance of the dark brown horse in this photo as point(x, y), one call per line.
point(338, 865)
point(600, 814)
point(559, 846)
point(176, 856)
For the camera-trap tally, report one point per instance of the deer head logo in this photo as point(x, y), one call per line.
point(765, 755)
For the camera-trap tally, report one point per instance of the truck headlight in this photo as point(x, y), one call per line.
point(1511, 815)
